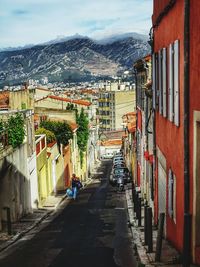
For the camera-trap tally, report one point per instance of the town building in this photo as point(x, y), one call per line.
point(176, 94)
point(113, 104)
point(144, 178)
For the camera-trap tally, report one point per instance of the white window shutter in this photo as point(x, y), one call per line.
point(176, 83)
point(170, 85)
point(154, 79)
point(160, 80)
point(164, 81)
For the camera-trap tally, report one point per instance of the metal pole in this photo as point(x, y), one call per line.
point(187, 240)
point(149, 226)
point(145, 225)
point(159, 236)
point(8, 221)
point(139, 212)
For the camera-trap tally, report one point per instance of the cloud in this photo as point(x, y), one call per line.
point(20, 12)
point(46, 19)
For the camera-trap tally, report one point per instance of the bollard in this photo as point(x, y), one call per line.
point(149, 228)
point(132, 191)
point(187, 240)
point(159, 236)
point(145, 225)
point(139, 212)
point(9, 228)
point(134, 199)
point(136, 204)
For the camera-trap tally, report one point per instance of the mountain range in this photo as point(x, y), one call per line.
point(72, 59)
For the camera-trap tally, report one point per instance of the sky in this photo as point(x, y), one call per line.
point(36, 21)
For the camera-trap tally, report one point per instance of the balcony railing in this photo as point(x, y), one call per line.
point(40, 142)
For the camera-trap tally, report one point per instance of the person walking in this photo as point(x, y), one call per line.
point(76, 185)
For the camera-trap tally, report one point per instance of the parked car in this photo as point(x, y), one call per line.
point(120, 172)
point(117, 159)
point(107, 156)
point(119, 164)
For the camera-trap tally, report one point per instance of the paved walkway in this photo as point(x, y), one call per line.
point(31, 220)
point(169, 256)
point(28, 222)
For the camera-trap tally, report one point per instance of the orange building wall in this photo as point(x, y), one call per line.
point(194, 84)
point(169, 138)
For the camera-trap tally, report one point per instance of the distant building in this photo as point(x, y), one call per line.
point(113, 105)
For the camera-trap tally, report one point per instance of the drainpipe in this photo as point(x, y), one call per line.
point(187, 215)
point(136, 98)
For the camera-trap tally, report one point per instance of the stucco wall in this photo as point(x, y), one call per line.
point(124, 103)
point(169, 138)
point(14, 183)
point(194, 116)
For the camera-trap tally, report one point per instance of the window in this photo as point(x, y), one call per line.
point(172, 195)
point(173, 83)
point(165, 75)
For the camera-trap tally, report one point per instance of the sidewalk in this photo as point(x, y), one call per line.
point(30, 221)
point(169, 256)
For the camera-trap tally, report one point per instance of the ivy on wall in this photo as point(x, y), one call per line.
point(82, 133)
point(15, 128)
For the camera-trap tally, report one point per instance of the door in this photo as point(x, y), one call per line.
point(196, 231)
point(162, 192)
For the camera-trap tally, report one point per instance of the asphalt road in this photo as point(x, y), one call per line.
point(89, 232)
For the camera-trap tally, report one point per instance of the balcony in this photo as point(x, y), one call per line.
point(40, 142)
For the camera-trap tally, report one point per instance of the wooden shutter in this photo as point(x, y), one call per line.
point(164, 81)
point(154, 80)
point(170, 85)
point(176, 83)
point(160, 80)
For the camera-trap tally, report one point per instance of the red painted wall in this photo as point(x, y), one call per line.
point(194, 86)
point(169, 138)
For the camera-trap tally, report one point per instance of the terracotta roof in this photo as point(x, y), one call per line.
point(130, 113)
point(4, 100)
point(131, 127)
point(78, 101)
point(73, 125)
point(36, 117)
point(4, 106)
point(114, 142)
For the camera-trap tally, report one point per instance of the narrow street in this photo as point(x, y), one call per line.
point(91, 231)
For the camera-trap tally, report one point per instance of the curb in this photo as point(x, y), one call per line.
point(138, 247)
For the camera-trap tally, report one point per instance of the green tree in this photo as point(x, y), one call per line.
point(62, 130)
point(49, 135)
point(82, 133)
point(16, 130)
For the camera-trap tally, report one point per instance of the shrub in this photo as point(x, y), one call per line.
point(49, 135)
point(61, 130)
